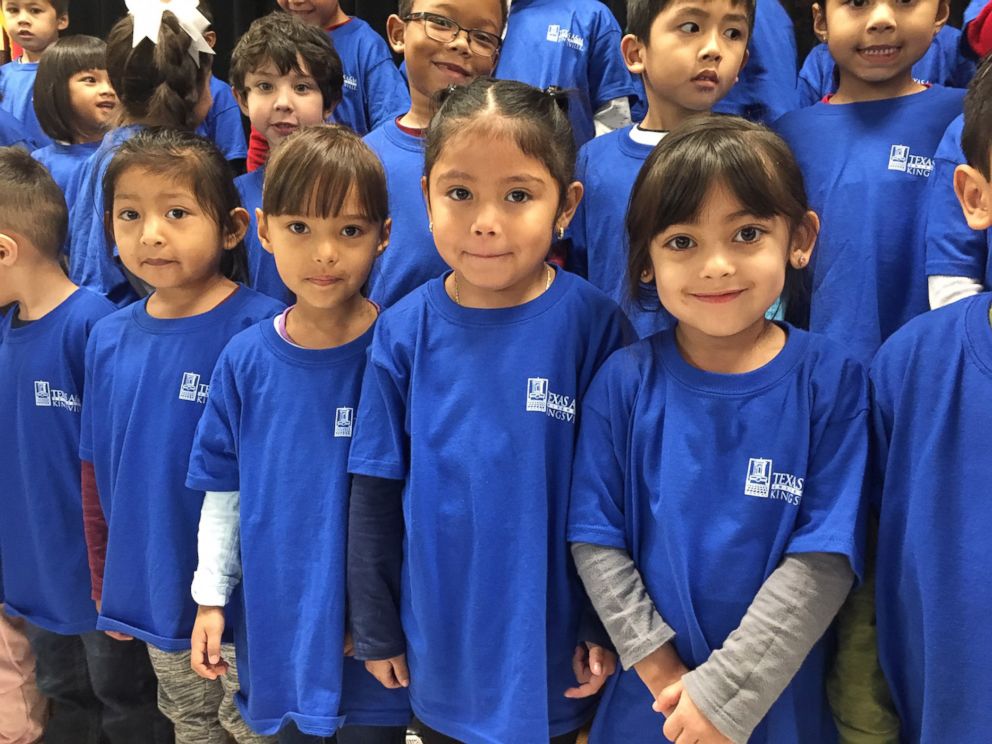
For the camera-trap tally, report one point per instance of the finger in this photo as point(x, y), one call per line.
point(400, 671)
point(596, 660)
point(213, 647)
point(672, 728)
point(118, 636)
point(384, 676)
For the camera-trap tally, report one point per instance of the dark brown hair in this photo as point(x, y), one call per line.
point(61, 6)
point(641, 15)
point(283, 39)
point(405, 7)
point(31, 203)
point(62, 60)
point(158, 84)
point(751, 161)
point(976, 137)
point(196, 163)
point(313, 170)
point(535, 120)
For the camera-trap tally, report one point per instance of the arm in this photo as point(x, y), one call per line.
point(95, 530)
point(944, 290)
point(613, 114)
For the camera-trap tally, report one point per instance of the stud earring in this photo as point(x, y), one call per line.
point(561, 232)
point(430, 227)
point(801, 261)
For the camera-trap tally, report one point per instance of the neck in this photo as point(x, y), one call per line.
point(419, 115)
point(856, 90)
point(190, 299)
point(742, 352)
point(41, 290)
point(525, 290)
point(85, 138)
point(337, 19)
point(320, 328)
point(665, 116)
point(28, 56)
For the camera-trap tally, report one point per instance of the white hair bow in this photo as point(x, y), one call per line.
point(147, 15)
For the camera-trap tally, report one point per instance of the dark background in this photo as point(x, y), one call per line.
point(232, 17)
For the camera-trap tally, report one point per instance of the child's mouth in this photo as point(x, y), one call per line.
point(452, 70)
point(879, 53)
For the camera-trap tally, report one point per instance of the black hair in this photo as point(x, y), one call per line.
point(976, 138)
point(196, 163)
point(641, 15)
point(283, 39)
point(536, 120)
point(61, 6)
point(62, 60)
point(31, 203)
point(751, 162)
point(405, 7)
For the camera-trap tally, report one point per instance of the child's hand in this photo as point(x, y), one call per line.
point(391, 673)
point(349, 645)
point(112, 633)
point(667, 700)
point(661, 669)
point(592, 667)
point(208, 628)
point(688, 724)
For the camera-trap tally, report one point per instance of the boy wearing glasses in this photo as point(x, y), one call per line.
point(443, 42)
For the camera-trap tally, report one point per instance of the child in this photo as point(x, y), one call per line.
point(442, 44)
point(464, 439)
point(75, 104)
point(100, 688)
point(751, 434)
point(12, 132)
point(575, 46)
point(942, 65)
point(173, 211)
point(324, 218)
point(34, 25)
point(161, 82)
point(285, 75)
point(931, 392)
point(870, 149)
point(688, 61)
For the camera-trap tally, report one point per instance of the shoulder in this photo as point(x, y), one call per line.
point(257, 305)
point(794, 123)
point(592, 302)
point(929, 336)
point(244, 345)
point(109, 328)
point(617, 382)
point(607, 143)
point(90, 305)
point(947, 98)
point(838, 383)
point(250, 182)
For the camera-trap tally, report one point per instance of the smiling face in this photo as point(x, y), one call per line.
point(322, 13)
point(278, 104)
point(875, 43)
point(33, 24)
point(494, 210)
point(93, 103)
point(691, 60)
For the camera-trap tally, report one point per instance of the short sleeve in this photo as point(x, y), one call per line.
point(609, 77)
point(380, 446)
point(953, 248)
point(832, 516)
point(213, 461)
point(228, 133)
point(386, 94)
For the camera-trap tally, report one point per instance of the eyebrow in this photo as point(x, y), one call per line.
point(462, 176)
point(696, 11)
point(741, 213)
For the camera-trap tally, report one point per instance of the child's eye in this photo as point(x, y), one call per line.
point(858, 3)
point(352, 231)
point(748, 234)
point(689, 28)
point(680, 243)
point(459, 194)
point(734, 34)
point(127, 215)
point(176, 213)
point(263, 86)
point(89, 79)
point(298, 228)
point(518, 196)
point(303, 87)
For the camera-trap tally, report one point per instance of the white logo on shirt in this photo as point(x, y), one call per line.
point(901, 159)
point(559, 35)
point(350, 81)
point(763, 483)
point(344, 419)
point(541, 400)
point(46, 397)
point(190, 388)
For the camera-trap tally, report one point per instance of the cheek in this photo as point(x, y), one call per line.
point(311, 110)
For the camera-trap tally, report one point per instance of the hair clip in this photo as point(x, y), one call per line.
point(559, 95)
point(147, 19)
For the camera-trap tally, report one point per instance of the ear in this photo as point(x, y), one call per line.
point(387, 229)
point(632, 50)
point(803, 240)
point(943, 13)
point(263, 230)
point(239, 222)
point(647, 274)
point(9, 250)
point(62, 22)
point(396, 33)
point(820, 21)
point(242, 100)
point(972, 190)
point(210, 37)
point(425, 189)
point(573, 195)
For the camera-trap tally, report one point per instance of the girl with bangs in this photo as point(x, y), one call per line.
point(716, 517)
point(271, 453)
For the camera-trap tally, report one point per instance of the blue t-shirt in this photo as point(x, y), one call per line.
point(932, 384)
point(46, 574)
point(866, 167)
point(147, 380)
point(608, 166)
point(941, 65)
point(973, 9)
point(65, 162)
point(953, 248)
point(574, 45)
point(411, 258)
point(374, 90)
point(268, 396)
point(91, 256)
point(12, 132)
point(223, 123)
point(708, 481)
point(17, 98)
point(475, 410)
point(262, 273)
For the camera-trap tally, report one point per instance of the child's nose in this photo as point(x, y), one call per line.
point(882, 17)
point(151, 233)
point(717, 264)
point(711, 46)
point(486, 221)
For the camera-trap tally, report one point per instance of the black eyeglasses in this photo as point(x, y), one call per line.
point(443, 29)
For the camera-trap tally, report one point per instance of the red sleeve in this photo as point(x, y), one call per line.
point(95, 527)
point(258, 150)
point(979, 32)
